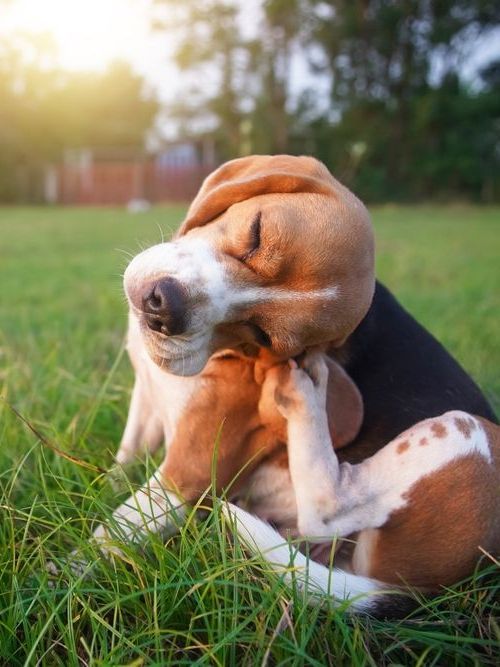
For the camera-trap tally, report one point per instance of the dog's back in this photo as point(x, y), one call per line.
point(404, 375)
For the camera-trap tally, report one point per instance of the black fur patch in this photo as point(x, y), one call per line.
point(392, 606)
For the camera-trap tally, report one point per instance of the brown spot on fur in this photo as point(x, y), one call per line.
point(439, 430)
point(403, 446)
point(463, 425)
point(423, 442)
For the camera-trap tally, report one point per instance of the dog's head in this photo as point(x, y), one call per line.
point(274, 253)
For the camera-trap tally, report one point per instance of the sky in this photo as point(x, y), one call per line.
point(89, 34)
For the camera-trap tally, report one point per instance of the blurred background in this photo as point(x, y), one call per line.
point(108, 101)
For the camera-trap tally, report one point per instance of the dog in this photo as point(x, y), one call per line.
point(275, 257)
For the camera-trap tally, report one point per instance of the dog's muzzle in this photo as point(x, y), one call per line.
point(178, 294)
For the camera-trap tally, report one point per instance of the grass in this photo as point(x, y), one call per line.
point(196, 599)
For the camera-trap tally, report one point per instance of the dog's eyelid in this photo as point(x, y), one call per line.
point(255, 233)
point(255, 228)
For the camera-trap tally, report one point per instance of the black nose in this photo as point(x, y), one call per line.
point(165, 307)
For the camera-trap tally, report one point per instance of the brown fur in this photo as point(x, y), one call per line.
point(463, 425)
point(402, 446)
point(434, 541)
point(290, 194)
point(438, 430)
point(230, 411)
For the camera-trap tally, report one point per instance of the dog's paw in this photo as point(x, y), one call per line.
point(74, 565)
point(301, 390)
point(314, 365)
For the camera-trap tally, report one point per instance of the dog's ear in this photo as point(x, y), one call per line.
point(344, 405)
point(247, 177)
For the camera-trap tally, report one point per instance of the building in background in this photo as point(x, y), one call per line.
point(117, 176)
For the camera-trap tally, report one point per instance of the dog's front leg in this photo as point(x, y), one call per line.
point(332, 500)
point(144, 430)
point(300, 395)
point(154, 508)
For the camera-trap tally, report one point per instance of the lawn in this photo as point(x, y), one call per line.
point(197, 599)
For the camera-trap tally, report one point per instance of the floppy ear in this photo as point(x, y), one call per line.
point(344, 406)
point(247, 177)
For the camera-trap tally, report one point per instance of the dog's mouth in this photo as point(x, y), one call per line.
point(184, 365)
point(189, 348)
point(261, 337)
point(185, 354)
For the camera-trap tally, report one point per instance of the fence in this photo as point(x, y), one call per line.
point(118, 182)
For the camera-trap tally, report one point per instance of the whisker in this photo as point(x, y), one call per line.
point(162, 240)
point(127, 253)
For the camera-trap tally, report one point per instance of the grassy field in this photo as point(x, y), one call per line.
point(197, 599)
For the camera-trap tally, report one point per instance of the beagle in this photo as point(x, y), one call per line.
point(274, 258)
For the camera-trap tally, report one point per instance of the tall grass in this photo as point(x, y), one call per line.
point(197, 598)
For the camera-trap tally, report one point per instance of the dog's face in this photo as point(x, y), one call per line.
point(279, 270)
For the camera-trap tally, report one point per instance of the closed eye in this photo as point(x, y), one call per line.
point(254, 238)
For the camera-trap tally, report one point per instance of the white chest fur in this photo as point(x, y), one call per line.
point(158, 401)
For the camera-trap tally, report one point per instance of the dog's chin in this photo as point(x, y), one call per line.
point(185, 366)
point(177, 359)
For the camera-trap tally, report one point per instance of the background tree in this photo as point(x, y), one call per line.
point(399, 122)
point(237, 85)
point(211, 52)
point(394, 117)
point(409, 124)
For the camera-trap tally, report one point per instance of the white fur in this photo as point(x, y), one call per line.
point(158, 400)
point(193, 263)
point(189, 260)
point(324, 499)
point(249, 295)
point(269, 494)
point(151, 509)
point(310, 576)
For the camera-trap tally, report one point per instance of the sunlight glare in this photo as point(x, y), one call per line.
point(88, 34)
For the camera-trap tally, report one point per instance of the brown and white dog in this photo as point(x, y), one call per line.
point(274, 259)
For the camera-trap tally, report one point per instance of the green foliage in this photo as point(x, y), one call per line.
point(196, 599)
point(44, 111)
point(245, 109)
point(446, 148)
point(398, 124)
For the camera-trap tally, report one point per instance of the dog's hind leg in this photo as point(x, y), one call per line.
point(309, 576)
point(337, 500)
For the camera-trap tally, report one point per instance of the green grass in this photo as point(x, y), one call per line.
point(197, 598)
